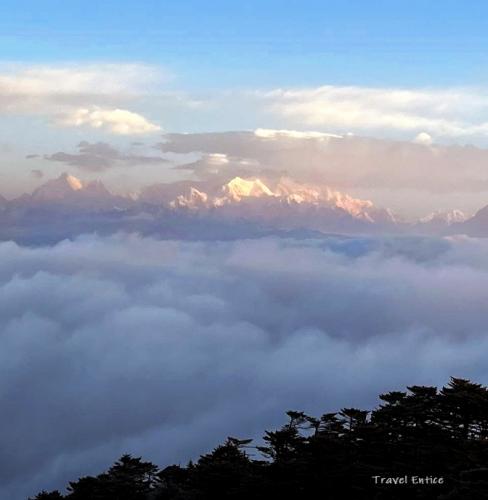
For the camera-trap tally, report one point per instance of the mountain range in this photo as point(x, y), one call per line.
point(68, 206)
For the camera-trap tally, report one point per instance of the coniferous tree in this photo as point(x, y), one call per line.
point(44, 495)
point(417, 432)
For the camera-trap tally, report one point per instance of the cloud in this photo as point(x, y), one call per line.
point(163, 348)
point(444, 112)
point(99, 156)
point(18, 81)
point(423, 138)
point(348, 162)
point(447, 114)
point(96, 95)
point(117, 121)
point(212, 165)
point(267, 133)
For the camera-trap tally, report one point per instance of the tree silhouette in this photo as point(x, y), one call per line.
point(128, 479)
point(44, 495)
point(418, 433)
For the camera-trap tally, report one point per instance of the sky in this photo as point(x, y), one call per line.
point(256, 43)
point(127, 72)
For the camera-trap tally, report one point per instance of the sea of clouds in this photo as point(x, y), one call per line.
point(163, 348)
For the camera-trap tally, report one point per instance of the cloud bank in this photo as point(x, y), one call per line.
point(80, 95)
point(442, 112)
point(447, 114)
point(345, 162)
point(163, 348)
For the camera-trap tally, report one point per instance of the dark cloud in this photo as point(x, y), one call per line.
point(32, 156)
point(163, 348)
point(99, 156)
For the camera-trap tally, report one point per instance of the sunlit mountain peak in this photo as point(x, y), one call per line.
point(58, 188)
point(239, 188)
point(73, 182)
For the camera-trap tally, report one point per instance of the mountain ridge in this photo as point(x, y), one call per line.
point(281, 203)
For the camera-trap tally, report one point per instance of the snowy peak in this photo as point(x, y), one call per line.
point(194, 199)
point(294, 192)
point(253, 192)
point(68, 187)
point(290, 192)
point(448, 218)
point(354, 206)
point(73, 182)
point(239, 188)
point(243, 197)
point(57, 189)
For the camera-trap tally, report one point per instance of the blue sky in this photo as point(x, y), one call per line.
point(119, 72)
point(260, 43)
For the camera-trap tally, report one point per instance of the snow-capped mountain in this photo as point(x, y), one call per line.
point(66, 187)
point(238, 188)
point(269, 197)
point(71, 193)
point(194, 199)
point(240, 206)
point(444, 218)
point(442, 223)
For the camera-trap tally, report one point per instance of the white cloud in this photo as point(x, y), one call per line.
point(445, 113)
point(267, 133)
point(34, 81)
point(96, 95)
point(117, 121)
point(423, 138)
point(442, 112)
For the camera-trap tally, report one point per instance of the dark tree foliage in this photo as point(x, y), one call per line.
point(421, 433)
point(53, 495)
